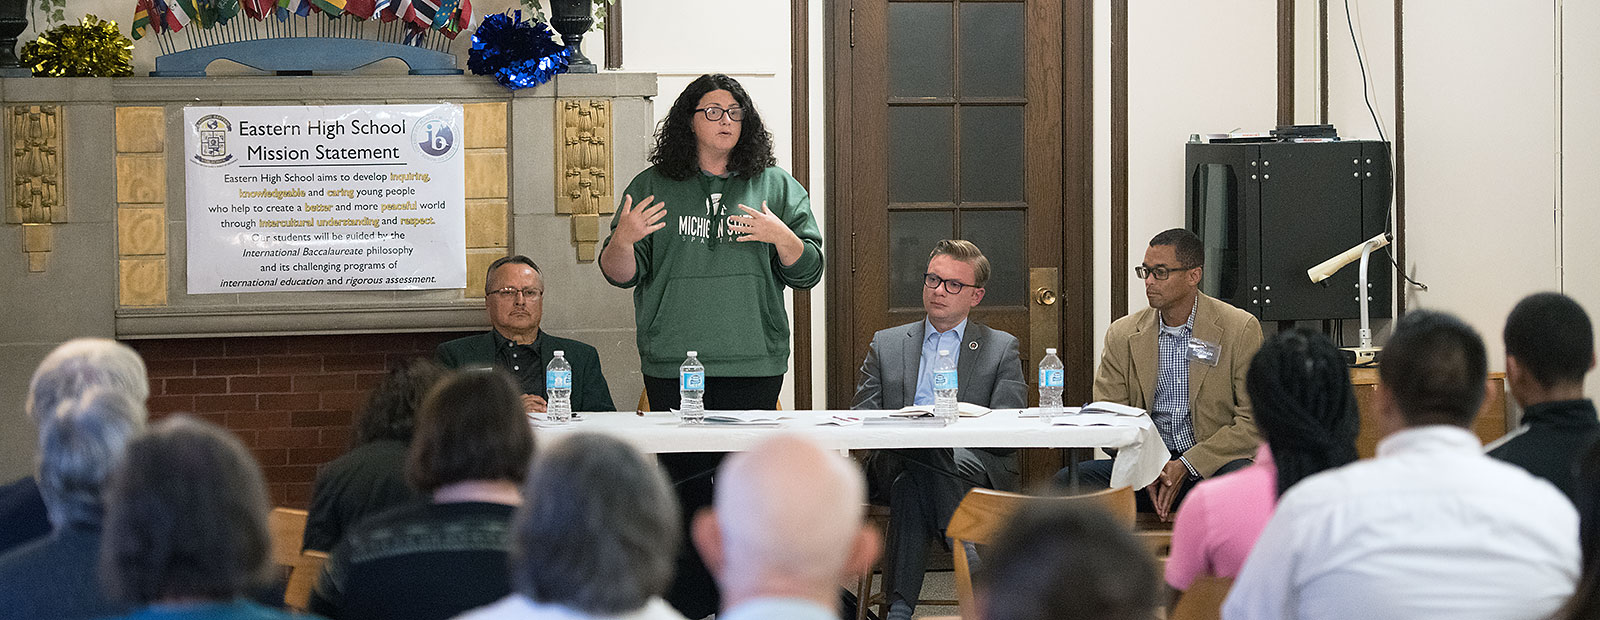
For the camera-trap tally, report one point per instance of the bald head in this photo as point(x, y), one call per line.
point(788, 516)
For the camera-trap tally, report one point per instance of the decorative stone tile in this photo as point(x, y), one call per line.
point(486, 173)
point(141, 129)
point(486, 223)
point(586, 227)
point(477, 267)
point(485, 125)
point(142, 231)
point(141, 178)
point(142, 282)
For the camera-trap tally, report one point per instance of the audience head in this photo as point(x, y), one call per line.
point(788, 521)
point(514, 288)
point(471, 428)
point(1549, 342)
point(1172, 268)
point(1068, 563)
point(598, 529)
point(391, 410)
point(954, 263)
point(79, 446)
point(82, 363)
point(1304, 406)
point(186, 517)
point(1432, 371)
point(677, 148)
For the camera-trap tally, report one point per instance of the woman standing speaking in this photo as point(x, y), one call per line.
point(708, 237)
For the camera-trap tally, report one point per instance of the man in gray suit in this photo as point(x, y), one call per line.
point(925, 485)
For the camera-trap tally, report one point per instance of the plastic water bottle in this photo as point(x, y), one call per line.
point(945, 388)
point(558, 389)
point(1052, 378)
point(692, 389)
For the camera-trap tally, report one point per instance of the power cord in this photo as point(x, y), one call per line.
point(1366, 88)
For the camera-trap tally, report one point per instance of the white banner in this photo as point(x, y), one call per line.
point(325, 198)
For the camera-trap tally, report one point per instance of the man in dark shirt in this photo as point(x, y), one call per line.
point(514, 289)
point(1549, 349)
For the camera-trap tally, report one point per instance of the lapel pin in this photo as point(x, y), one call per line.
point(973, 345)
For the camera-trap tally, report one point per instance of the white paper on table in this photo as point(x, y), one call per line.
point(1110, 407)
point(841, 420)
point(743, 418)
point(1033, 412)
point(1098, 419)
point(965, 410)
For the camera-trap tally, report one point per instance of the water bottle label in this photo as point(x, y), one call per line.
point(558, 379)
point(691, 380)
point(944, 380)
point(1052, 377)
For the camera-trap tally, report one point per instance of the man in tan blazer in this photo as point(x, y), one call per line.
point(1183, 359)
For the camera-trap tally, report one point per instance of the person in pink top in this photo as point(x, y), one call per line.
point(1307, 414)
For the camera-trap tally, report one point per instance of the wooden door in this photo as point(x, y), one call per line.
point(947, 120)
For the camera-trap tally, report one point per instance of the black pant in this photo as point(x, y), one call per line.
point(1096, 474)
point(693, 591)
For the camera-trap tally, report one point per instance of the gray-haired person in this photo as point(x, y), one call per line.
point(595, 538)
point(54, 577)
point(186, 526)
point(66, 373)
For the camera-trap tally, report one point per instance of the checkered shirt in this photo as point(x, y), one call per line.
point(1171, 410)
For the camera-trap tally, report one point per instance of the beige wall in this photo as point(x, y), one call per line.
point(1193, 67)
point(1579, 141)
point(1481, 159)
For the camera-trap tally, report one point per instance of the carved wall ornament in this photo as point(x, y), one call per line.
point(583, 169)
point(34, 133)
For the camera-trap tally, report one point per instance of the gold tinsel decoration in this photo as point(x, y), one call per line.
point(91, 48)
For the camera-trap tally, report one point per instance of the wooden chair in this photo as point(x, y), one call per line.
point(865, 596)
point(984, 512)
point(288, 528)
point(1203, 600)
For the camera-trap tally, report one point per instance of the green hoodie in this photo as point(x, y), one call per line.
point(698, 289)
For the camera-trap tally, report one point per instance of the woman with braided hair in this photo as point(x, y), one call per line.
point(1307, 415)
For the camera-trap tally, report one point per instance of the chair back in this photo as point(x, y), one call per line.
point(288, 527)
point(1203, 600)
point(984, 512)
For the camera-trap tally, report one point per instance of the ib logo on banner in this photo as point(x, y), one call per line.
point(213, 146)
point(434, 139)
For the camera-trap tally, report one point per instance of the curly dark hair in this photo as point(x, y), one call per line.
point(391, 410)
point(676, 152)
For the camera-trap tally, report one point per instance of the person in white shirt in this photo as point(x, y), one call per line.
point(1432, 527)
point(785, 530)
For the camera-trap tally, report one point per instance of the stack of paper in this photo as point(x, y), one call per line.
point(743, 418)
point(966, 410)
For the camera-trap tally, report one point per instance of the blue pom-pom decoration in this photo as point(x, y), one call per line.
point(520, 54)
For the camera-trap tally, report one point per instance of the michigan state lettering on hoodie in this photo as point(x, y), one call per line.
point(698, 288)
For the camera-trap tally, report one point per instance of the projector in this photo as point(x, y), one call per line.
point(1360, 356)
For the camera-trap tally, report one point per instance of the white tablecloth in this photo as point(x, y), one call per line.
point(1140, 453)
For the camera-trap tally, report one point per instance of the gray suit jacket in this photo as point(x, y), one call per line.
point(989, 372)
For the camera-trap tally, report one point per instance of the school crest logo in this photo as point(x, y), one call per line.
point(212, 148)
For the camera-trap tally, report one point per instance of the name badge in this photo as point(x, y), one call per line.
point(1204, 352)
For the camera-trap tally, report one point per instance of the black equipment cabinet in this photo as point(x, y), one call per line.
point(1270, 211)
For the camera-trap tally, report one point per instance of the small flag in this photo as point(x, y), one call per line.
point(333, 8)
point(360, 9)
point(141, 19)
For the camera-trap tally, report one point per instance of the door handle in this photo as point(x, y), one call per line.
point(1044, 296)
